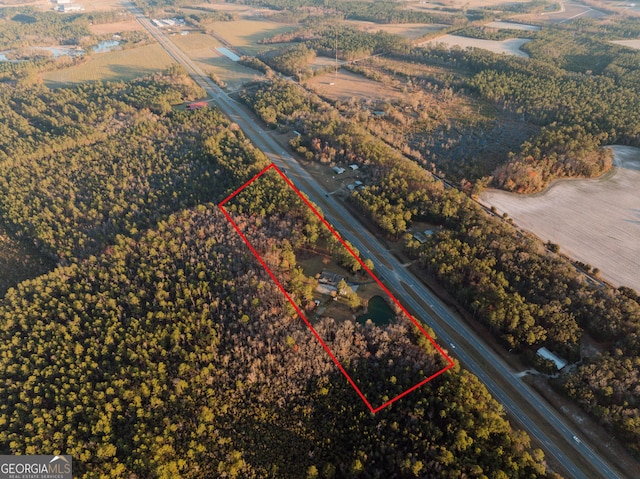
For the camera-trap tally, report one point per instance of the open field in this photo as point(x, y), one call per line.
point(513, 26)
point(346, 85)
point(245, 34)
point(201, 48)
point(567, 13)
point(510, 46)
point(99, 5)
point(635, 44)
point(118, 65)
point(406, 30)
point(229, 7)
point(116, 27)
point(594, 221)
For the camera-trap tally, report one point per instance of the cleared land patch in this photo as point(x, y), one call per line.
point(406, 30)
point(113, 66)
point(245, 34)
point(635, 44)
point(347, 85)
point(510, 46)
point(513, 26)
point(202, 49)
point(116, 27)
point(594, 221)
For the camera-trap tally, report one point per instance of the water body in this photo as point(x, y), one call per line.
point(378, 311)
point(106, 46)
point(596, 221)
point(62, 51)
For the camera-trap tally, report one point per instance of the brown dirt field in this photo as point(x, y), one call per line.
point(347, 85)
point(116, 27)
point(407, 30)
point(474, 3)
point(510, 46)
point(596, 221)
point(635, 44)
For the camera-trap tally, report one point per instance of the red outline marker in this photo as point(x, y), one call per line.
point(301, 314)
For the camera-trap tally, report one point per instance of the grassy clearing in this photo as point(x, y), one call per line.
point(113, 66)
point(116, 27)
point(245, 34)
point(201, 48)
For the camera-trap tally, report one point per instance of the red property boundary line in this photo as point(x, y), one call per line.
point(301, 314)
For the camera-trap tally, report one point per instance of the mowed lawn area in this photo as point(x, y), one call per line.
point(113, 66)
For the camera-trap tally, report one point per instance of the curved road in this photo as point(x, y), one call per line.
point(449, 329)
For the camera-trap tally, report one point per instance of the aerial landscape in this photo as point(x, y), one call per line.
point(308, 239)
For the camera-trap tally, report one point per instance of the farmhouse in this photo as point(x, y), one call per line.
point(354, 167)
point(330, 278)
point(546, 354)
point(338, 170)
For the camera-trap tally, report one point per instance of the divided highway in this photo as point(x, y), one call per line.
point(412, 292)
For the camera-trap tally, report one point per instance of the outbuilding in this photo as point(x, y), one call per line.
point(557, 360)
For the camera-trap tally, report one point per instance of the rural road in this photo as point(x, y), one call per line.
point(449, 329)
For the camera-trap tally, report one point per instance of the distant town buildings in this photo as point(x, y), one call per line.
point(65, 7)
point(168, 22)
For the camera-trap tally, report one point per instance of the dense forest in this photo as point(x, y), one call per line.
point(172, 355)
point(160, 348)
point(79, 166)
point(523, 292)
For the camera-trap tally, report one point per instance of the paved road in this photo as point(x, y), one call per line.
point(449, 329)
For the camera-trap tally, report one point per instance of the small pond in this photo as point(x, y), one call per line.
point(105, 46)
point(378, 311)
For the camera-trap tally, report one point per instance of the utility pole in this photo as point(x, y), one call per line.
point(336, 73)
